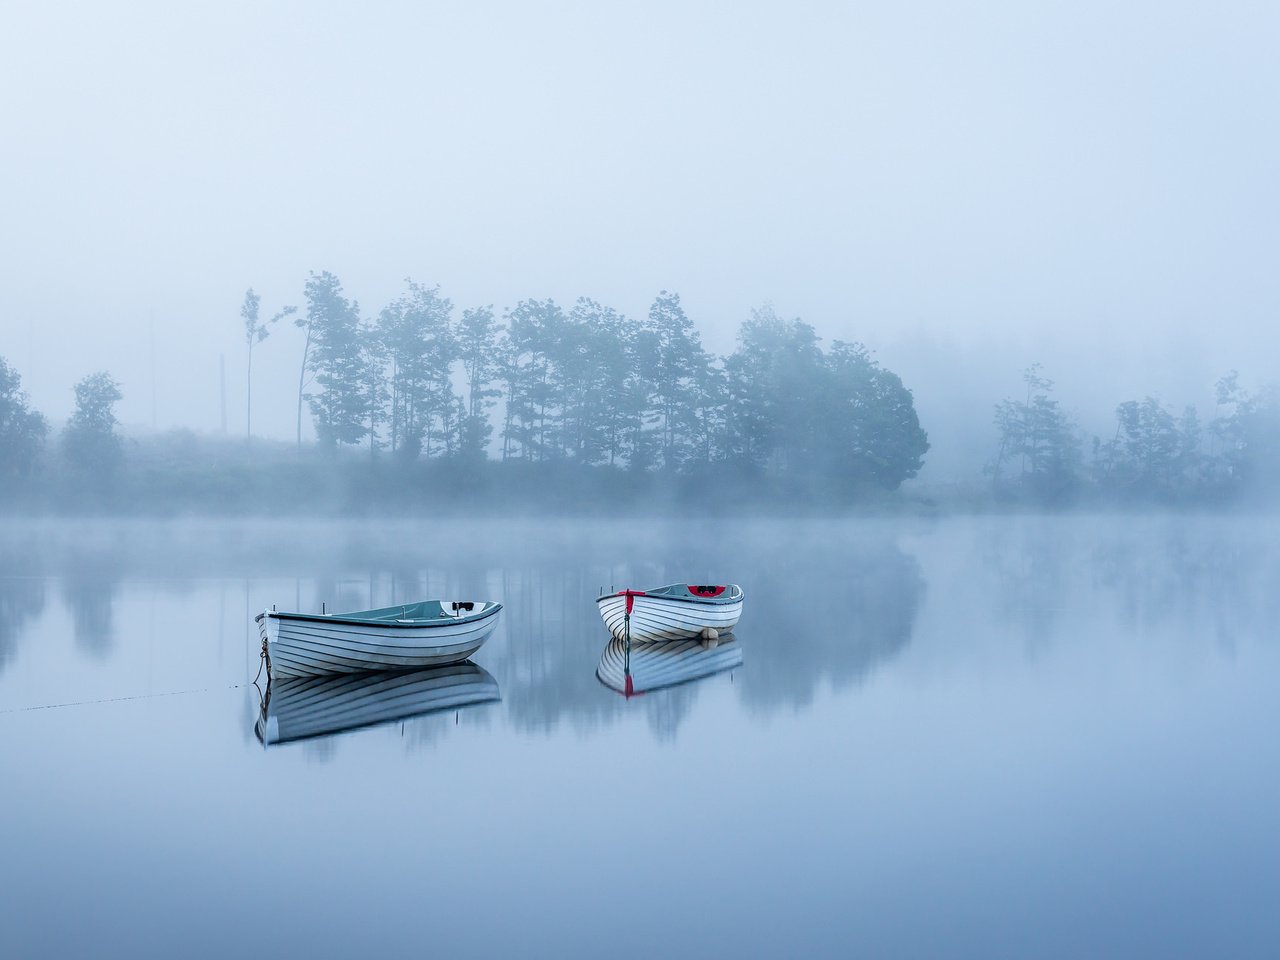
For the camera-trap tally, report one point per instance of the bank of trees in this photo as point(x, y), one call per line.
point(586, 385)
point(88, 454)
point(541, 401)
point(1154, 453)
point(566, 404)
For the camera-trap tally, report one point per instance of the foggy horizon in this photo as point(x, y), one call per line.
point(966, 192)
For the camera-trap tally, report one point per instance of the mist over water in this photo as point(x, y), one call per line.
point(946, 331)
point(982, 737)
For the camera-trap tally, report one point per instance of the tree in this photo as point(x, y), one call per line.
point(255, 331)
point(1043, 440)
point(871, 427)
point(338, 357)
point(477, 337)
point(22, 430)
point(836, 419)
point(416, 338)
point(589, 355)
point(90, 442)
point(1246, 437)
point(533, 332)
point(677, 367)
point(766, 398)
point(304, 322)
point(1152, 455)
point(620, 396)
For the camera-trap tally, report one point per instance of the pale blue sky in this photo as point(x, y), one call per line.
point(1069, 181)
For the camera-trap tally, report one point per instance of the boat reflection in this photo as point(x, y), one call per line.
point(652, 666)
point(298, 708)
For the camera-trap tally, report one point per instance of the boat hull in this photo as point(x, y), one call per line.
point(659, 620)
point(655, 666)
point(299, 646)
point(297, 708)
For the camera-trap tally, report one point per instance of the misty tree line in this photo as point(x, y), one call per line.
point(1154, 453)
point(90, 446)
point(614, 396)
point(588, 385)
point(584, 386)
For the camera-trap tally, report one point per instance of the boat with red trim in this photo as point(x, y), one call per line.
point(678, 611)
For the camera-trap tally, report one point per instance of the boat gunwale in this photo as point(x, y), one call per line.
point(388, 624)
point(705, 601)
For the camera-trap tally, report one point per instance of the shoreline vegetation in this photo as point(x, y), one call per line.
point(421, 409)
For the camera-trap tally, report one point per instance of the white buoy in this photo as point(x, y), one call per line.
point(710, 637)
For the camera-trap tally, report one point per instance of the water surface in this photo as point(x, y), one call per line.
point(983, 737)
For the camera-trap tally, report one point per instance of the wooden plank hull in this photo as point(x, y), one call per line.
point(297, 708)
point(654, 666)
point(658, 619)
point(315, 646)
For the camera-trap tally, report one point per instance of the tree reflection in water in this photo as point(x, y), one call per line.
point(829, 611)
point(21, 600)
point(89, 592)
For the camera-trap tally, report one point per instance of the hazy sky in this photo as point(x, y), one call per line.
point(1068, 181)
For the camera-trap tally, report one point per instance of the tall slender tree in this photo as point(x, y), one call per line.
point(751, 396)
point(304, 322)
point(477, 337)
point(533, 331)
point(339, 360)
point(678, 365)
point(255, 331)
point(418, 342)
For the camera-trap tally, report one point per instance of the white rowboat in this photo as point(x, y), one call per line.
point(296, 708)
point(679, 611)
point(407, 637)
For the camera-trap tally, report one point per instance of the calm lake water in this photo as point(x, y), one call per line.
point(996, 737)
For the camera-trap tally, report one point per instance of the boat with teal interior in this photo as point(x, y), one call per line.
point(677, 611)
point(409, 636)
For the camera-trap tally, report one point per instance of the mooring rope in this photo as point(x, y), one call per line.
point(263, 661)
point(139, 696)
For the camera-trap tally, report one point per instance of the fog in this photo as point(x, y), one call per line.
point(965, 188)
point(928, 351)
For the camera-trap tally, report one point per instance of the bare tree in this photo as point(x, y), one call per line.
point(255, 331)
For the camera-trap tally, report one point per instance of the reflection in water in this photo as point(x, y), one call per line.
point(665, 671)
point(816, 609)
point(89, 592)
point(652, 666)
point(824, 604)
point(298, 708)
point(20, 600)
point(953, 777)
point(834, 614)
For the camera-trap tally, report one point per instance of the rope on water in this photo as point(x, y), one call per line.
point(263, 660)
point(139, 696)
